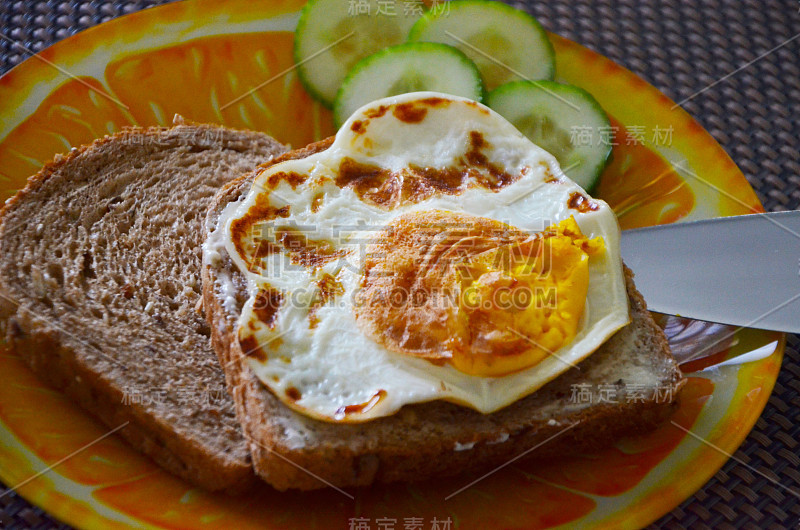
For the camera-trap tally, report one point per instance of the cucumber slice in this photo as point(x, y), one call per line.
point(507, 44)
point(410, 67)
point(332, 35)
point(562, 119)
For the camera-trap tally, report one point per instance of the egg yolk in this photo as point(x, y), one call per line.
point(521, 302)
point(484, 296)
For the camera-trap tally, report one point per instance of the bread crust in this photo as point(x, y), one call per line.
point(57, 358)
point(422, 440)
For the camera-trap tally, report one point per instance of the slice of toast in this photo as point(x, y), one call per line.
point(100, 285)
point(578, 410)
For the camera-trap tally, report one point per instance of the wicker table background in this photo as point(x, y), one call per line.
point(745, 58)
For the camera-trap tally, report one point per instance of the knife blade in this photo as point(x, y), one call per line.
point(742, 270)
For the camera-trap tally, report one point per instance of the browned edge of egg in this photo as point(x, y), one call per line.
point(580, 202)
point(360, 408)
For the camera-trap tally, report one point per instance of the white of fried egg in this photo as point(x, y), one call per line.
point(430, 252)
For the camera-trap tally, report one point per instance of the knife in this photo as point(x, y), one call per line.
point(742, 270)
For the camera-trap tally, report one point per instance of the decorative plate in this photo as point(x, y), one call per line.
point(201, 58)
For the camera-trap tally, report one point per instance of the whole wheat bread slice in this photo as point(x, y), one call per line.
point(436, 439)
point(100, 285)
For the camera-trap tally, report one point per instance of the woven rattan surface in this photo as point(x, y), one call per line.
point(738, 64)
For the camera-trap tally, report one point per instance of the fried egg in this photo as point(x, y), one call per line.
point(430, 252)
